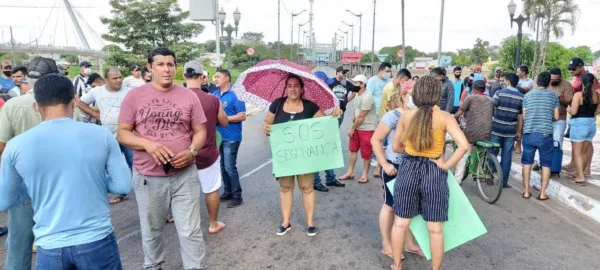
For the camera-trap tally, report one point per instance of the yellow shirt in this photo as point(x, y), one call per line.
point(387, 93)
point(439, 139)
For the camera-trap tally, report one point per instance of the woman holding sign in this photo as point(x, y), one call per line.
point(290, 108)
point(389, 167)
point(421, 186)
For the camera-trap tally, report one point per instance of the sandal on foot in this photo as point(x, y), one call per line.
point(581, 183)
point(346, 178)
point(539, 198)
point(363, 182)
point(418, 252)
point(220, 227)
point(170, 219)
point(390, 255)
point(526, 197)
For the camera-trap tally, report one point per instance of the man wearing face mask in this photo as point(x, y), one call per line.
point(79, 81)
point(459, 87)
point(207, 86)
point(6, 82)
point(376, 83)
point(447, 100)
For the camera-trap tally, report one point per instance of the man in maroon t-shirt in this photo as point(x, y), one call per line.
point(208, 161)
point(164, 124)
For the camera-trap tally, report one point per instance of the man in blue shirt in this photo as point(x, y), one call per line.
point(6, 82)
point(459, 87)
point(507, 122)
point(540, 108)
point(71, 214)
point(232, 138)
point(376, 83)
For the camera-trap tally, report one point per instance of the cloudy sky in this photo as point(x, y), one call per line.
point(464, 21)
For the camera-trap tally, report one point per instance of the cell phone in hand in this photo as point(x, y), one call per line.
point(167, 167)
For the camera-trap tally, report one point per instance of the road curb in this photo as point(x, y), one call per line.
point(557, 191)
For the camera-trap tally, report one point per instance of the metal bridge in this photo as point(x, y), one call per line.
point(45, 44)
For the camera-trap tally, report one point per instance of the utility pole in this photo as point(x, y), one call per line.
point(373, 42)
point(298, 54)
point(12, 42)
point(403, 47)
point(439, 60)
point(218, 30)
point(311, 40)
point(278, 29)
point(292, 36)
point(352, 26)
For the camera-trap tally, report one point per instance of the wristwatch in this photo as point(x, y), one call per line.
point(194, 151)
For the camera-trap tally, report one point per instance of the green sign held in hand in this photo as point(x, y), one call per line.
point(306, 146)
point(463, 223)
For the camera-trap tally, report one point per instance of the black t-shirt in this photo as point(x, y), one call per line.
point(341, 92)
point(310, 109)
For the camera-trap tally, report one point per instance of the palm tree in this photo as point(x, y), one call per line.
point(534, 8)
point(552, 15)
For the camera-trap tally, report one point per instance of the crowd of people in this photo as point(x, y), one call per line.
point(148, 134)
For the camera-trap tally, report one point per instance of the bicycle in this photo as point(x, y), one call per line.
point(487, 175)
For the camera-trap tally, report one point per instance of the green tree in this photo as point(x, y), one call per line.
point(253, 38)
point(72, 59)
point(508, 50)
point(366, 58)
point(117, 57)
point(141, 26)
point(559, 56)
point(597, 54)
point(187, 51)
point(463, 58)
point(554, 14)
point(583, 52)
point(480, 53)
point(21, 58)
point(409, 53)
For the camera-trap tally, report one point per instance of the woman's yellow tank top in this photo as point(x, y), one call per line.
point(439, 140)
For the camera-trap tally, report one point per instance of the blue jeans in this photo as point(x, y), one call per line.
point(537, 142)
point(229, 171)
point(330, 177)
point(20, 237)
point(100, 255)
point(128, 153)
point(506, 145)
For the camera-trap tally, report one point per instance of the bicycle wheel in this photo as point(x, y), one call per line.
point(489, 179)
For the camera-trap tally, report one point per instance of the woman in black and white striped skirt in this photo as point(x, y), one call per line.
point(421, 186)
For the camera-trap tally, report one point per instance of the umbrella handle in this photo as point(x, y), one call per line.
point(280, 104)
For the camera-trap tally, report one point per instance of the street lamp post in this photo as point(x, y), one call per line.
point(352, 42)
point(373, 41)
point(292, 36)
point(359, 28)
point(439, 58)
point(512, 7)
point(298, 54)
point(346, 38)
point(229, 30)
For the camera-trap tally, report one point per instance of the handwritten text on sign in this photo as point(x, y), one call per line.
point(306, 146)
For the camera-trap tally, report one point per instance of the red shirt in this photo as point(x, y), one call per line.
point(209, 153)
point(578, 86)
point(165, 117)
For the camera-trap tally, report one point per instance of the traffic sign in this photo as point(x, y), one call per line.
point(399, 53)
point(250, 51)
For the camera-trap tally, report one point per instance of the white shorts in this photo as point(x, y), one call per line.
point(210, 178)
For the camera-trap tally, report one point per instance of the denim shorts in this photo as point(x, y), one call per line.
point(582, 129)
point(544, 143)
point(387, 194)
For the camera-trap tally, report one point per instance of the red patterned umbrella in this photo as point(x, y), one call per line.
point(264, 82)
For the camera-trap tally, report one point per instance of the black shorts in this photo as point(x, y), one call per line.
point(421, 188)
point(387, 194)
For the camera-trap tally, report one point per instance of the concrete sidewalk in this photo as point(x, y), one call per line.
point(584, 199)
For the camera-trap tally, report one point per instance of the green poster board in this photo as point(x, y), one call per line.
point(306, 146)
point(463, 223)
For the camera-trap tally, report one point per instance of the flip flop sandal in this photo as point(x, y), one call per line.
point(528, 197)
point(377, 176)
point(117, 199)
point(346, 178)
point(220, 227)
point(390, 255)
point(170, 220)
point(539, 198)
point(580, 183)
point(418, 253)
point(363, 182)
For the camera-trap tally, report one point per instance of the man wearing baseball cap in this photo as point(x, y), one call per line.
point(135, 79)
point(364, 124)
point(208, 161)
point(79, 81)
point(16, 117)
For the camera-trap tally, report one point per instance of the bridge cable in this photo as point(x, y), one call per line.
point(48, 19)
point(93, 33)
point(56, 27)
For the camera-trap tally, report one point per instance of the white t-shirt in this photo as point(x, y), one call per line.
point(109, 104)
point(15, 92)
point(528, 83)
point(132, 82)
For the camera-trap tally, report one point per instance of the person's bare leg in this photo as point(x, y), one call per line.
point(386, 221)
point(436, 243)
point(398, 233)
point(213, 202)
point(410, 243)
point(545, 181)
point(579, 156)
point(377, 171)
point(571, 166)
point(351, 164)
point(518, 149)
point(365, 175)
point(305, 182)
point(287, 198)
point(588, 164)
point(526, 174)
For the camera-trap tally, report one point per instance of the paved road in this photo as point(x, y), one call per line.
point(523, 234)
